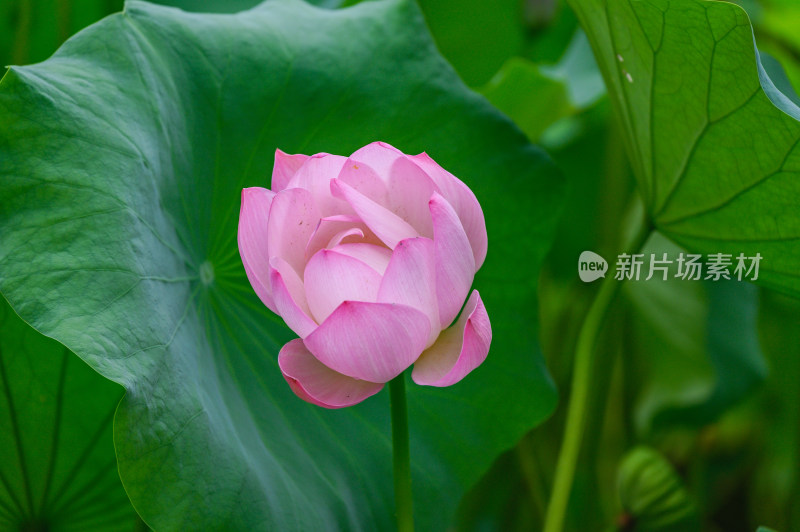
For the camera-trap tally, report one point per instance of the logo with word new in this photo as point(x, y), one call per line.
point(591, 266)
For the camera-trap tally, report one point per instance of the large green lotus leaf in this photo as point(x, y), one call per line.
point(57, 464)
point(124, 156)
point(715, 146)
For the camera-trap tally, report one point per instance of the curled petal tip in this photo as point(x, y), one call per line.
point(459, 350)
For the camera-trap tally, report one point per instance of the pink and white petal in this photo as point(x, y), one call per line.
point(370, 341)
point(455, 263)
point(290, 298)
point(375, 256)
point(329, 227)
point(252, 238)
point(316, 383)
point(317, 170)
point(284, 168)
point(379, 156)
point(332, 278)
point(410, 279)
point(315, 176)
point(459, 349)
point(364, 179)
point(293, 218)
point(410, 188)
point(386, 225)
point(463, 201)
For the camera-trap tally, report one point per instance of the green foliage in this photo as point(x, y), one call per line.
point(538, 97)
point(105, 253)
point(690, 364)
point(776, 484)
point(31, 30)
point(511, 91)
point(697, 345)
point(476, 36)
point(58, 470)
point(776, 28)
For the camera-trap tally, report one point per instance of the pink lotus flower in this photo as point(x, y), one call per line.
point(368, 259)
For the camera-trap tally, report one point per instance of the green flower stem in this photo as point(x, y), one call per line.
point(401, 456)
point(579, 393)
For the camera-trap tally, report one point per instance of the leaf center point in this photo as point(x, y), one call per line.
point(207, 273)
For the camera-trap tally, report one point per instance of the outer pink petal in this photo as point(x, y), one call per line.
point(370, 341)
point(315, 176)
point(386, 225)
point(455, 264)
point(293, 218)
point(316, 383)
point(410, 280)
point(460, 349)
point(332, 277)
point(252, 236)
point(284, 168)
point(379, 156)
point(290, 298)
point(463, 201)
point(410, 188)
point(376, 257)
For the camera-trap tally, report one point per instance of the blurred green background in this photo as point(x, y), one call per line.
point(704, 381)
